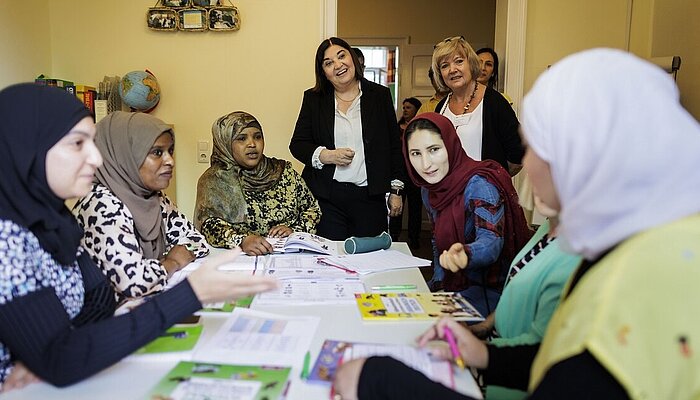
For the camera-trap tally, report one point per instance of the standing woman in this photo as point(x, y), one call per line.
point(56, 307)
point(485, 122)
point(348, 139)
point(245, 196)
point(478, 225)
point(410, 108)
point(132, 229)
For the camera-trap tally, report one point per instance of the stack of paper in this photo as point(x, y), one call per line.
point(377, 261)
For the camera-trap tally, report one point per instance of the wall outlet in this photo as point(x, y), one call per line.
point(203, 152)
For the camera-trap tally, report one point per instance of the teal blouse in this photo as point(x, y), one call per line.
point(530, 298)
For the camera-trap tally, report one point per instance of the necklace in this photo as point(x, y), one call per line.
point(466, 107)
point(347, 101)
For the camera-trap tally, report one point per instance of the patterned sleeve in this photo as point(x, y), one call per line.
point(485, 205)
point(111, 241)
point(309, 210)
point(180, 230)
point(220, 233)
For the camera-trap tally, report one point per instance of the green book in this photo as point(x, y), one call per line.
point(227, 307)
point(178, 338)
point(195, 380)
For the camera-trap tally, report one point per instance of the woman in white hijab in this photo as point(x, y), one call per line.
point(613, 151)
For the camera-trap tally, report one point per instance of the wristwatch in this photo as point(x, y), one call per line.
point(396, 191)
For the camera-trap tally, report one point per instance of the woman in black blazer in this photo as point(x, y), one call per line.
point(348, 139)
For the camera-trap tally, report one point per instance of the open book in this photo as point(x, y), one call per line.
point(302, 241)
point(334, 352)
point(194, 380)
point(415, 306)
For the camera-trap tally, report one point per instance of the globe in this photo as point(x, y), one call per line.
point(139, 90)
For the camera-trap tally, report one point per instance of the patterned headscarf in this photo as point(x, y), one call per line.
point(220, 188)
point(34, 118)
point(622, 150)
point(124, 139)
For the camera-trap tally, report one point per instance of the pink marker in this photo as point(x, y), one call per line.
point(453, 346)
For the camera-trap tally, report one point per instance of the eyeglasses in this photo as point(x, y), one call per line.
point(448, 40)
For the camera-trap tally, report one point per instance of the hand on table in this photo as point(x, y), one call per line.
point(177, 258)
point(18, 378)
point(211, 285)
point(454, 258)
point(347, 377)
point(473, 351)
point(256, 245)
point(341, 157)
point(280, 231)
point(395, 205)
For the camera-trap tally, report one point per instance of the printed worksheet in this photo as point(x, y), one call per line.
point(313, 291)
point(304, 267)
point(252, 337)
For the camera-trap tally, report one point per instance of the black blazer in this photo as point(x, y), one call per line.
point(380, 133)
point(500, 140)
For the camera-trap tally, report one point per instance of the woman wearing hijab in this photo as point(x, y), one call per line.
point(132, 229)
point(56, 307)
point(478, 226)
point(245, 196)
point(624, 327)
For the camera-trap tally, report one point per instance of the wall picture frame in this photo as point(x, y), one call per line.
point(192, 19)
point(224, 19)
point(205, 3)
point(162, 19)
point(176, 3)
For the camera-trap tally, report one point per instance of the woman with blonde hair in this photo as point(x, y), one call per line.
point(485, 122)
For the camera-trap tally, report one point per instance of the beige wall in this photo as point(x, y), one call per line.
point(25, 47)
point(676, 31)
point(262, 69)
point(416, 18)
point(558, 28)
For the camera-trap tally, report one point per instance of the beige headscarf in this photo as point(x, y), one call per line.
point(220, 188)
point(124, 139)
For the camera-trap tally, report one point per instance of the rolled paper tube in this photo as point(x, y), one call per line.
point(355, 245)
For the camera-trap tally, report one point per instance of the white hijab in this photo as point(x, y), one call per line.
point(623, 152)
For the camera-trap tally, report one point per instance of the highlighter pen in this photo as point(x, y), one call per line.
point(453, 346)
point(394, 287)
point(305, 368)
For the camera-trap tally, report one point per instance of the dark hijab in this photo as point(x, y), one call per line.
point(34, 118)
point(447, 196)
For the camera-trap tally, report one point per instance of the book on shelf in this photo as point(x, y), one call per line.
point(46, 81)
point(415, 306)
point(197, 380)
point(303, 241)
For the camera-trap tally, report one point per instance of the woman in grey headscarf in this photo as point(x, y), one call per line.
point(132, 230)
point(245, 196)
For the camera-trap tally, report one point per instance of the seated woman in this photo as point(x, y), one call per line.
point(245, 196)
point(534, 286)
point(56, 307)
point(478, 225)
point(622, 329)
point(132, 229)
